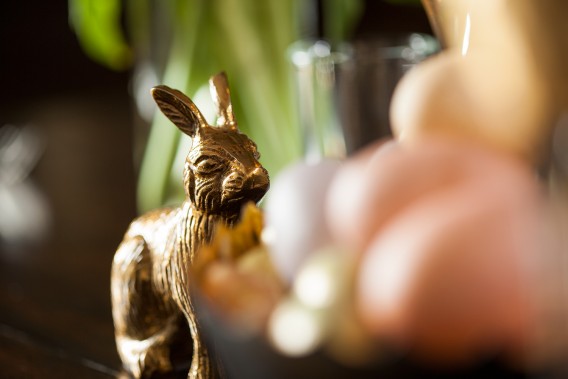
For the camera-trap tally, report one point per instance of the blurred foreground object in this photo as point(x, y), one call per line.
point(449, 236)
point(455, 205)
point(509, 88)
point(24, 214)
point(152, 307)
point(500, 85)
point(489, 86)
point(294, 214)
point(263, 327)
point(450, 275)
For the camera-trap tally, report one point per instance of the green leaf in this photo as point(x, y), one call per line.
point(97, 26)
point(340, 17)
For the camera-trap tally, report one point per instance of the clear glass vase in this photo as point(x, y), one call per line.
point(344, 93)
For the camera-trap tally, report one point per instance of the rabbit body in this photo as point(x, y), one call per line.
point(152, 308)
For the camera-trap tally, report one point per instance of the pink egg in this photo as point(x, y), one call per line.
point(343, 205)
point(446, 271)
point(368, 190)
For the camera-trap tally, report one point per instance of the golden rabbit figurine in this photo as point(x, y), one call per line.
point(151, 304)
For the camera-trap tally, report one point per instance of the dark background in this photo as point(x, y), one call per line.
point(40, 59)
point(55, 316)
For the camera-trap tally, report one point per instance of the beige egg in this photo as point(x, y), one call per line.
point(478, 97)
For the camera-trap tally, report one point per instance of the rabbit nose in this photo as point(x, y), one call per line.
point(258, 177)
point(258, 181)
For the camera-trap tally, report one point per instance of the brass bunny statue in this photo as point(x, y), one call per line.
point(151, 304)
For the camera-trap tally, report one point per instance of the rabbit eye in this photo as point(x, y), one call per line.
point(207, 165)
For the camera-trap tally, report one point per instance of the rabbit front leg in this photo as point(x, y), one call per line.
point(146, 323)
point(202, 365)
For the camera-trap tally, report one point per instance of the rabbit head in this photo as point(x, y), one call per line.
point(222, 171)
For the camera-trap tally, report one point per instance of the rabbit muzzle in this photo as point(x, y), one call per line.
point(240, 188)
point(257, 184)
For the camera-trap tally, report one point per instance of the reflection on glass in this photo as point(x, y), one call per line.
point(344, 94)
point(317, 67)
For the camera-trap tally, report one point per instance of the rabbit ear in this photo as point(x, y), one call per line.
point(179, 109)
point(219, 86)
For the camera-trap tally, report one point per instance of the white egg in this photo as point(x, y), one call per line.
point(294, 211)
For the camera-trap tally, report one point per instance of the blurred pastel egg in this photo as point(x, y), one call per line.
point(449, 274)
point(294, 214)
point(371, 188)
point(345, 202)
point(294, 329)
point(476, 97)
point(322, 280)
